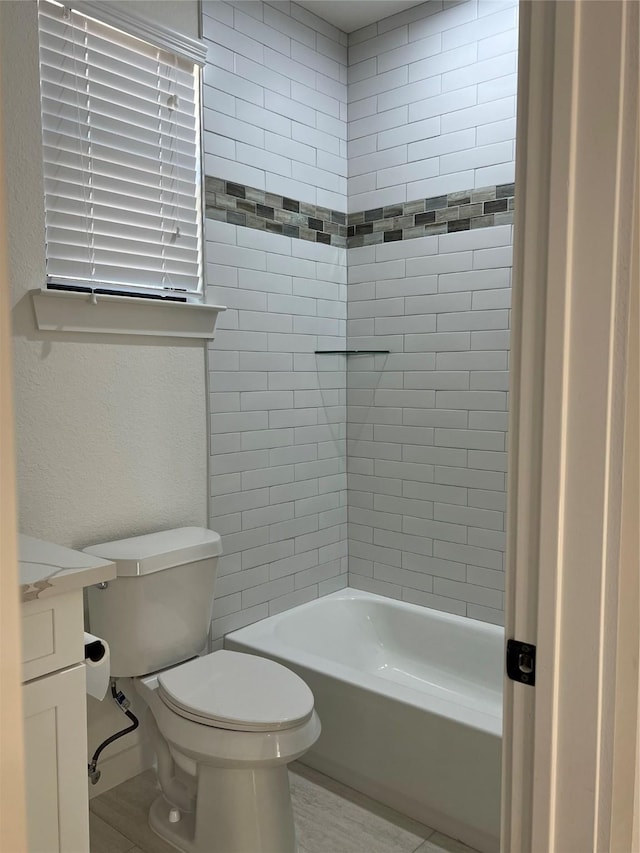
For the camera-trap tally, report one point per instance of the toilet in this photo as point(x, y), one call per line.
point(224, 725)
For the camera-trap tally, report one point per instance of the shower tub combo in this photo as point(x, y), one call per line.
point(410, 701)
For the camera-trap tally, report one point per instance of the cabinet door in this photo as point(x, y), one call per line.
point(56, 762)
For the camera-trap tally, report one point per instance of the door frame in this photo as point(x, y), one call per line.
point(12, 806)
point(572, 589)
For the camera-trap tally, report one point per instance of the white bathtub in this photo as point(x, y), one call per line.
point(410, 702)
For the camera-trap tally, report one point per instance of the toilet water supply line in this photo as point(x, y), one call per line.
point(123, 703)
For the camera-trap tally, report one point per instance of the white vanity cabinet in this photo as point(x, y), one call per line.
point(54, 696)
point(55, 730)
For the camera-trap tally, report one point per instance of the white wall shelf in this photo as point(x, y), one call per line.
point(70, 311)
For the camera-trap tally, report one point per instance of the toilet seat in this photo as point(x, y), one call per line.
point(236, 691)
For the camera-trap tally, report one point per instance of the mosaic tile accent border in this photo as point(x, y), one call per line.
point(459, 211)
point(238, 204)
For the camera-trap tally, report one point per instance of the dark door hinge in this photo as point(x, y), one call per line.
point(521, 662)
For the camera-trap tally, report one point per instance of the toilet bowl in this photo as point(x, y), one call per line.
point(232, 722)
point(224, 725)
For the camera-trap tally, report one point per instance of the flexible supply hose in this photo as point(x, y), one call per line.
point(123, 703)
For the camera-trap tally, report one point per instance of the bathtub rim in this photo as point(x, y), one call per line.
point(259, 638)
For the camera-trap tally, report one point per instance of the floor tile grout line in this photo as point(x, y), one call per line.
point(314, 781)
point(424, 840)
point(120, 832)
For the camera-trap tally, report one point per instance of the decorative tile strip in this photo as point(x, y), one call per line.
point(242, 205)
point(459, 211)
point(239, 204)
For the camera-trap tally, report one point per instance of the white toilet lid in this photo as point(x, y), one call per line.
point(231, 690)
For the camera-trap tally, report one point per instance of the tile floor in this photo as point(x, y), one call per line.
point(330, 818)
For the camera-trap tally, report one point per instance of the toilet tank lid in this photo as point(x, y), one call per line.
point(153, 552)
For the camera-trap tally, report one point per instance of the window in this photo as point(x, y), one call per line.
point(122, 161)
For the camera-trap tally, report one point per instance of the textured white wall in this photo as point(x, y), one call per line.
point(180, 15)
point(432, 102)
point(111, 432)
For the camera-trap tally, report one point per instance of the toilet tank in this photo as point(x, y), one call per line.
point(157, 611)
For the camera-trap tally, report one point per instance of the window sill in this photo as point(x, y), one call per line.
point(67, 311)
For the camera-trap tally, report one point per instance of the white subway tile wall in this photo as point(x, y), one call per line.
point(278, 421)
point(431, 111)
point(419, 435)
point(432, 102)
point(427, 424)
point(275, 100)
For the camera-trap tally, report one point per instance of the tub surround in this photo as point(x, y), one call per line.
point(432, 115)
point(419, 111)
point(432, 102)
point(410, 702)
point(238, 204)
point(443, 214)
point(428, 423)
point(275, 153)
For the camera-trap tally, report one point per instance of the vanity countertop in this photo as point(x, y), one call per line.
point(47, 569)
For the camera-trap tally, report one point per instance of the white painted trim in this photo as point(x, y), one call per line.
point(12, 801)
point(625, 816)
point(71, 311)
point(575, 169)
point(525, 404)
point(193, 50)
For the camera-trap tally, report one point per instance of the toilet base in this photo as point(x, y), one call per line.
point(179, 835)
point(237, 811)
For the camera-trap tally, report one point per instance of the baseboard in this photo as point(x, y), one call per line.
point(123, 765)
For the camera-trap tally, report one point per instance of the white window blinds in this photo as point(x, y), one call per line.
point(121, 147)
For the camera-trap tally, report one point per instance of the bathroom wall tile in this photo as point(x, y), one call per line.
point(492, 299)
point(486, 614)
point(436, 602)
point(292, 599)
point(267, 591)
point(378, 587)
point(470, 517)
point(486, 577)
point(334, 584)
point(468, 554)
point(318, 575)
point(234, 621)
point(427, 87)
point(468, 592)
point(484, 538)
point(266, 495)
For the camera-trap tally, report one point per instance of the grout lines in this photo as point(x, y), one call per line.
point(239, 204)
